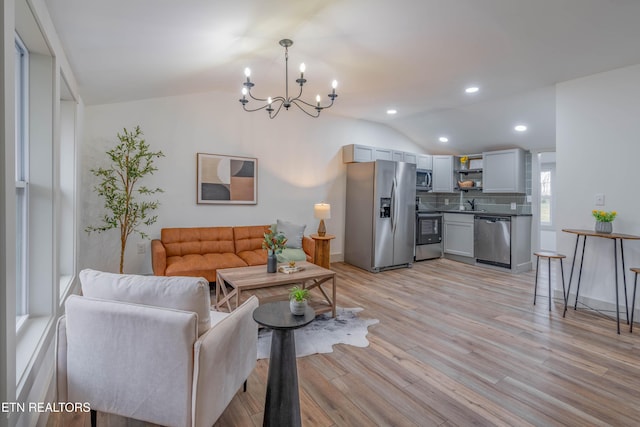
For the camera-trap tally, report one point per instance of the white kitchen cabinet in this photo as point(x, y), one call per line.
point(383, 154)
point(442, 174)
point(410, 158)
point(354, 153)
point(458, 234)
point(357, 153)
point(424, 161)
point(503, 171)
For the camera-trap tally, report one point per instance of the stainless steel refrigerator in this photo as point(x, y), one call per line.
point(380, 214)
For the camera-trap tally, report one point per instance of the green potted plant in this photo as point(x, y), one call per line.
point(298, 298)
point(604, 220)
point(274, 243)
point(130, 161)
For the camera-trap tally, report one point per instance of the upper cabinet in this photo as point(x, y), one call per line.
point(354, 153)
point(357, 153)
point(503, 171)
point(410, 157)
point(424, 161)
point(442, 174)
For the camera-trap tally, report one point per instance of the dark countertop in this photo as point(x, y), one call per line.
point(481, 212)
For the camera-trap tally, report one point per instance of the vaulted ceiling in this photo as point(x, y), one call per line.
point(416, 56)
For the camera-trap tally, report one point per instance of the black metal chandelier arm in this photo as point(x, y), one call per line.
point(317, 113)
point(251, 110)
point(273, 116)
point(313, 105)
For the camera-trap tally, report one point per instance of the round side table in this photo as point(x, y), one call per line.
point(282, 404)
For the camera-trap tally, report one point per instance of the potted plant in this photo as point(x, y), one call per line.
point(131, 160)
point(604, 220)
point(298, 300)
point(274, 243)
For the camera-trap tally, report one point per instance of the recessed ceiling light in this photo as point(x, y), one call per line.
point(520, 128)
point(443, 139)
point(472, 89)
point(391, 111)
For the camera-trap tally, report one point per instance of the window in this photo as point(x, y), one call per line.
point(547, 199)
point(66, 190)
point(22, 180)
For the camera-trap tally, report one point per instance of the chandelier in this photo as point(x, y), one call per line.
point(275, 104)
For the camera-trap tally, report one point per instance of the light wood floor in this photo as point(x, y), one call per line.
point(456, 345)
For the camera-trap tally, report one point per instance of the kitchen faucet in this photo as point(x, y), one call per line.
point(472, 203)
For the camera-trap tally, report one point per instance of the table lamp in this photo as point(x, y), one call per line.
point(322, 211)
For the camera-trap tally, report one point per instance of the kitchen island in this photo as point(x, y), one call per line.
point(507, 245)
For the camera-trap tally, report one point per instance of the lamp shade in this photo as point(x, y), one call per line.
point(322, 210)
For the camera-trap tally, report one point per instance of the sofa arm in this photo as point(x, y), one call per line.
point(309, 247)
point(158, 258)
point(224, 356)
point(131, 360)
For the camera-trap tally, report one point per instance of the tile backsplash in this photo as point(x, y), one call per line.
point(490, 202)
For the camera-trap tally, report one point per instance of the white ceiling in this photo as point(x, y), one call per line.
point(413, 55)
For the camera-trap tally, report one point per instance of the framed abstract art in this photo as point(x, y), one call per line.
point(227, 179)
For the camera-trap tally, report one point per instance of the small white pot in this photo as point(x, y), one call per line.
point(297, 307)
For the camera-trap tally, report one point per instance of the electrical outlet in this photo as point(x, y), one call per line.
point(142, 247)
point(446, 202)
point(599, 199)
point(513, 206)
point(528, 198)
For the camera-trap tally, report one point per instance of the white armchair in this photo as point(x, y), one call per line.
point(148, 348)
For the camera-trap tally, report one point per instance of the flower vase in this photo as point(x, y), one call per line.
point(604, 227)
point(272, 262)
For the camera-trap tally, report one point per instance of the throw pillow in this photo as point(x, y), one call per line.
point(293, 232)
point(290, 254)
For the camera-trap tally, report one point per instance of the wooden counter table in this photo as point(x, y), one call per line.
point(615, 237)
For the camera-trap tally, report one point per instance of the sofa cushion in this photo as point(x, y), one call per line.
point(204, 265)
point(197, 240)
point(248, 242)
point(180, 293)
point(293, 232)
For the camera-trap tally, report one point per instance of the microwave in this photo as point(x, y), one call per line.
point(424, 180)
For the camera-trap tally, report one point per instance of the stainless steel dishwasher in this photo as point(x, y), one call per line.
point(492, 237)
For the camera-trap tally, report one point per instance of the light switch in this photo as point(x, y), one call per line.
point(513, 206)
point(446, 201)
point(599, 199)
point(142, 247)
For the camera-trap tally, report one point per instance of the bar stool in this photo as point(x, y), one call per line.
point(549, 256)
point(633, 300)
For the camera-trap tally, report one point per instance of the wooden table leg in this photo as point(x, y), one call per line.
point(335, 303)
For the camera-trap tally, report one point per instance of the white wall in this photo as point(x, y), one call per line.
point(299, 164)
point(597, 152)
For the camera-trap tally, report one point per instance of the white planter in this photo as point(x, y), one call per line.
point(297, 307)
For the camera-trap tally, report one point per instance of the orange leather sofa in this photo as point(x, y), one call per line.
point(200, 251)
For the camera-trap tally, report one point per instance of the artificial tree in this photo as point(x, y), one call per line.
point(130, 161)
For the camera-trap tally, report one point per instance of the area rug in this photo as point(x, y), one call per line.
point(323, 333)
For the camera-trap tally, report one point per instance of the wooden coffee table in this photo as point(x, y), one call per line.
point(242, 279)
